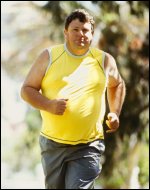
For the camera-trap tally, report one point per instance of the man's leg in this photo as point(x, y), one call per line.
point(53, 163)
point(82, 172)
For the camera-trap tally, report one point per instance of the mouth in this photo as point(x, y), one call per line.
point(81, 42)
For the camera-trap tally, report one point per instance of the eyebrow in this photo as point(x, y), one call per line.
point(77, 27)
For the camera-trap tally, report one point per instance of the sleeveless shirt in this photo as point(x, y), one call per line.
point(81, 80)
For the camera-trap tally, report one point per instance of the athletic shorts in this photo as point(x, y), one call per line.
point(71, 166)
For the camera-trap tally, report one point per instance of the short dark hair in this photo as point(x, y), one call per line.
point(82, 15)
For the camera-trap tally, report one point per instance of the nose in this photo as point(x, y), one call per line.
point(81, 33)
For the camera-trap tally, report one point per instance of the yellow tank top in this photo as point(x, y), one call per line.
point(81, 79)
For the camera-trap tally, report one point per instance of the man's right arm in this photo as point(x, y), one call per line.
point(30, 90)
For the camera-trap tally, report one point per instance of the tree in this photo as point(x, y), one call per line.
point(127, 40)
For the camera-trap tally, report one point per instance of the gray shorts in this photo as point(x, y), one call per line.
point(70, 166)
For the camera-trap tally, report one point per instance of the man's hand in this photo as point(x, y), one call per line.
point(58, 106)
point(112, 122)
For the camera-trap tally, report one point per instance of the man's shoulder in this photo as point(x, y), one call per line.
point(96, 51)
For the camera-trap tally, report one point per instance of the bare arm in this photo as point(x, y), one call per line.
point(115, 93)
point(30, 90)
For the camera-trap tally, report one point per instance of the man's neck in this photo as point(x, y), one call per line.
point(78, 52)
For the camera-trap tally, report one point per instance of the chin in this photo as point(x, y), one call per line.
point(83, 44)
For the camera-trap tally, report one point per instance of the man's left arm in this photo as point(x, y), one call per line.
point(115, 93)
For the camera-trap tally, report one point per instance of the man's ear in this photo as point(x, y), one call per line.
point(65, 33)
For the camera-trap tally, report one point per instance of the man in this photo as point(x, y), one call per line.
point(68, 84)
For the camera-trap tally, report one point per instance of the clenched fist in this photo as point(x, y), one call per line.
point(58, 106)
point(112, 122)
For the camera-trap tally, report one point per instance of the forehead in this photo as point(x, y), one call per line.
point(77, 24)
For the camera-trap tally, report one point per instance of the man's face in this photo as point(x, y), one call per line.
point(79, 35)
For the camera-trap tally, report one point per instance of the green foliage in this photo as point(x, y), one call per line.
point(33, 121)
point(137, 7)
point(114, 182)
point(131, 53)
point(144, 165)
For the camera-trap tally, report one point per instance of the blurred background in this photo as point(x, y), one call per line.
point(122, 29)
